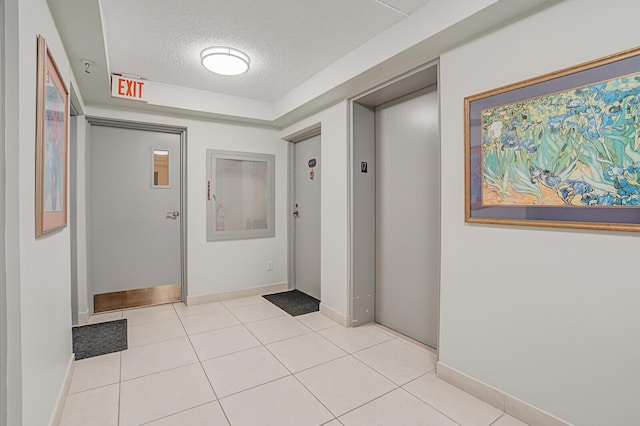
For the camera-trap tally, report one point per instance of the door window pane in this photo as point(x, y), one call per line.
point(160, 162)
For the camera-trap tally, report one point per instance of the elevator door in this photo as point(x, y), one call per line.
point(407, 215)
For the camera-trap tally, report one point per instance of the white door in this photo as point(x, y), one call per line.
point(307, 216)
point(134, 214)
point(407, 216)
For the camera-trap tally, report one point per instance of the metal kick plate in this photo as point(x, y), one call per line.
point(105, 302)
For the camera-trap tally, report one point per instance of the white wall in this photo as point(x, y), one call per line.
point(12, 214)
point(222, 266)
point(39, 322)
point(548, 316)
point(333, 203)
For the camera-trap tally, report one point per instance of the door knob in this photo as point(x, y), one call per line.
point(296, 213)
point(173, 215)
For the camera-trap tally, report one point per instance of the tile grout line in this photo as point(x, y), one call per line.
point(368, 402)
point(242, 306)
point(335, 417)
point(179, 412)
point(172, 368)
point(120, 353)
point(262, 319)
point(380, 372)
point(348, 354)
point(224, 412)
point(359, 350)
point(416, 396)
point(290, 373)
point(317, 332)
point(499, 417)
point(196, 353)
point(215, 394)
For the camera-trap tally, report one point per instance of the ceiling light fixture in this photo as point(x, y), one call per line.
point(225, 60)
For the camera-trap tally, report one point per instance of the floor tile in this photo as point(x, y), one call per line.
point(451, 401)
point(507, 420)
point(159, 395)
point(398, 361)
point(95, 372)
point(221, 342)
point(209, 321)
point(153, 358)
point(205, 415)
point(344, 384)
point(244, 301)
point(275, 329)
point(149, 314)
point(96, 407)
point(404, 338)
point(109, 316)
point(284, 402)
point(302, 352)
point(185, 311)
point(348, 372)
point(154, 332)
point(396, 408)
point(384, 329)
point(257, 312)
point(243, 370)
point(316, 321)
point(354, 339)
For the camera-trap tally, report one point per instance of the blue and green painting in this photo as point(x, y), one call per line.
point(579, 147)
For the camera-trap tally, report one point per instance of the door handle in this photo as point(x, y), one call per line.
point(173, 215)
point(296, 213)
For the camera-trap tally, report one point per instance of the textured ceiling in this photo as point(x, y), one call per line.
point(288, 41)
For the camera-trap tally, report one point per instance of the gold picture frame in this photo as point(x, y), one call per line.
point(559, 150)
point(52, 125)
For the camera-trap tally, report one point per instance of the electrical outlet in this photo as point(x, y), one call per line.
point(269, 265)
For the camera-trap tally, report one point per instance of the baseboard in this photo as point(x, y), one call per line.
point(56, 416)
point(530, 414)
point(247, 292)
point(333, 315)
point(512, 406)
point(83, 318)
point(471, 386)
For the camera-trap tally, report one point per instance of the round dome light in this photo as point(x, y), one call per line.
point(225, 60)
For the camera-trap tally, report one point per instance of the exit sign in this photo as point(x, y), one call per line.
point(127, 88)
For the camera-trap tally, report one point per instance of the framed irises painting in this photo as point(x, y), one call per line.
point(51, 144)
point(559, 150)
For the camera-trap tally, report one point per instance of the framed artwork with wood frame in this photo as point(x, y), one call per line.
point(559, 150)
point(52, 122)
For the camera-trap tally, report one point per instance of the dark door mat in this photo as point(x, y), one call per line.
point(294, 302)
point(99, 339)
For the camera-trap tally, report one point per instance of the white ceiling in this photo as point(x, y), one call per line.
point(305, 54)
point(288, 41)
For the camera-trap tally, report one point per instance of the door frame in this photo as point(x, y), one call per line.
point(299, 136)
point(394, 88)
point(152, 127)
point(3, 278)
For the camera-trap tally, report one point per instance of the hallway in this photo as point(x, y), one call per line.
point(246, 362)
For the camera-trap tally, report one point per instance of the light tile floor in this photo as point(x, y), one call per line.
point(246, 362)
